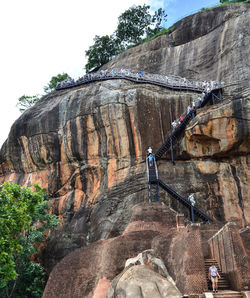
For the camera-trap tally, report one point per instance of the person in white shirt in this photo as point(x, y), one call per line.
point(213, 275)
point(191, 199)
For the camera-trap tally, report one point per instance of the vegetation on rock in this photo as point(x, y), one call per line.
point(134, 25)
point(54, 80)
point(24, 221)
point(104, 48)
point(25, 102)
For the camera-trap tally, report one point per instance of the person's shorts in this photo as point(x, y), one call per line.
point(214, 278)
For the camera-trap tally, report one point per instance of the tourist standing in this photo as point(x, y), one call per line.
point(213, 275)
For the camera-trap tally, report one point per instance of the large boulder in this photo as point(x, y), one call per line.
point(142, 282)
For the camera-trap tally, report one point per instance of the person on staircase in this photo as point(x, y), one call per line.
point(189, 109)
point(150, 157)
point(199, 101)
point(191, 199)
point(150, 151)
point(213, 275)
point(181, 119)
point(193, 109)
point(174, 125)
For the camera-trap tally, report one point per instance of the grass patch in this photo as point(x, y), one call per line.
point(225, 3)
point(162, 32)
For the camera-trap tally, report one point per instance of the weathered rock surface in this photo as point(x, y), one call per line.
point(89, 270)
point(86, 145)
point(140, 281)
point(211, 45)
point(220, 131)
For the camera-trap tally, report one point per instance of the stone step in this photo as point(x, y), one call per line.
point(223, 283)
point(228, 294)
point(224, 294)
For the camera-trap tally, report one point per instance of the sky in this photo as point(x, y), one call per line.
point(42, 38)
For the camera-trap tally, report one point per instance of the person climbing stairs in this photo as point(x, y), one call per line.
point(223, 282)
point(224, 286)
point(185, 202)
point(177, 133)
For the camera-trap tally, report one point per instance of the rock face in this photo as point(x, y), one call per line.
point(209, 45)
point(87, 145)
point(140, 281)
point(88, 271)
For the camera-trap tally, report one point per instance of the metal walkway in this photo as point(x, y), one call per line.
point(152, 171)
point(177, 133)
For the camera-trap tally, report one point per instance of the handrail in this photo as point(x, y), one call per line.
point(177, 132)
point(184, 201)
point(168, 81)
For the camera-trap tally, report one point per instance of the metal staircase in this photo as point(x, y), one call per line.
point(174, 136)
point(185, 202)
point(177, 133)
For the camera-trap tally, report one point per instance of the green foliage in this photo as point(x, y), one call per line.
point(134, 24)
point(161, 32)
point(54, 80)
point(24, 219)
point(103, 49)
point(25, 102)
point(156, 23)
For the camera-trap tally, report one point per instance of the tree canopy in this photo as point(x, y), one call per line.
point(54, 80)
point(103, 49)
point(134, 24)
point(25, 102)
point(24, 219)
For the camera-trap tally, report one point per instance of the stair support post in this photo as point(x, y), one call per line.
point(172, 150)
point(192, 213)
point(157, 191)
point(212, 98)
point(149, 193)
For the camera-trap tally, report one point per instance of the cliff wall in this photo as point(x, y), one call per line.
point(210, 45)
point(87, 145)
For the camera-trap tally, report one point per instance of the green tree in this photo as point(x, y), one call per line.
point(54, 80)
point(159, 17)
point(24, 219)
point(133, 24)
point(103, 49)
point(25, 102)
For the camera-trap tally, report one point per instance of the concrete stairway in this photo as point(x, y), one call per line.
point(223, 283)
point(228, 294)
point(223, 294)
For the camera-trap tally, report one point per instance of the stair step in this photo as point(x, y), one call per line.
point(223, 283)
point(228, 294)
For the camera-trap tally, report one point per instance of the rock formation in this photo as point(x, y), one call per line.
point(86, 145)
point(210, 45)
point(89, 270)
point(140, 281)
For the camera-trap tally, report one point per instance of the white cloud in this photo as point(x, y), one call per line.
point(42, 38)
